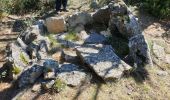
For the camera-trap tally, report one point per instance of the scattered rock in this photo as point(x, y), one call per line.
point(56, 24)
point(162, 73)
point(83, 35)
point(30, 75)
point(36, 88)
point(71, 74)
point(103, 60)
point(70, 56)
point(95, 38)
point(158, 51)
point(46, 85)
point(58, 56)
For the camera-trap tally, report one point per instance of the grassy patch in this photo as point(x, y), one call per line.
point(59, 85)
point(23, 59)
point(16, 70)
point(71, 36)
point(53, 41)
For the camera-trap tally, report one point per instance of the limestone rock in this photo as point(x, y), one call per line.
point(80, 18)
point(30, 75)
point(79, 28)
point(71, 74)
point(70, 55)
point(83, 35)
point(103, 60)
point(36, 88)
point(102, 15)
point(55, 24)
point(58, 56)
point(95, 38)
point(139, 50)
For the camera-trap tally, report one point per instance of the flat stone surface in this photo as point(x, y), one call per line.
point(95, 38)
point(103, 60)
point(71, 74)
point(159, 52)
point(70, 55)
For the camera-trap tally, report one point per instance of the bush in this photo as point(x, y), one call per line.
point(158, 8)
point(23, 6)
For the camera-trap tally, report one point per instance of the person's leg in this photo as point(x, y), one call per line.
point(58, 5)
point(64, 3)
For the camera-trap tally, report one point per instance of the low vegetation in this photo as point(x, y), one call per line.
point(71, 36)
point(16, 70)
point(58, 86)
point(24, 59)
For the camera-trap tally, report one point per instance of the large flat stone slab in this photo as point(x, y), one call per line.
point(71, 74)
point(103, 60)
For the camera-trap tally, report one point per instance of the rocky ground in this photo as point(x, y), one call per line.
point(82, 82)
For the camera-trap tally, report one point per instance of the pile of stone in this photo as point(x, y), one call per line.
point(31, 58)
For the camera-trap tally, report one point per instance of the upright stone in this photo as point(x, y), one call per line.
point(128, 26)
point(103, 60)
point(55, 24)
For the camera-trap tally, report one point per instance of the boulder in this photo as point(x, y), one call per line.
point(50, 68)
point(103, 61)
point(71, 74)
point(129, 28)
point(70, 56)
point(58, 56)
point(102, 15)
point(139, 50)
point(56, 24)
point(46, 85)
point(30, 75)
point(79, 18)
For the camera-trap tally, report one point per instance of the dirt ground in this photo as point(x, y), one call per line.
point(144, 85)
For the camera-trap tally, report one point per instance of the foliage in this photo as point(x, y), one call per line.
point(53, 41)
point(59, 85)
point(71, 36)
point(16, 70)
point(159, 8)
point(25, 6)
point(24, 59)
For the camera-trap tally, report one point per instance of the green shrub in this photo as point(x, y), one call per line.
point(23, 59)
point(59, 85)
point(158, 8)
point(71, 36)
point(16, 70)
